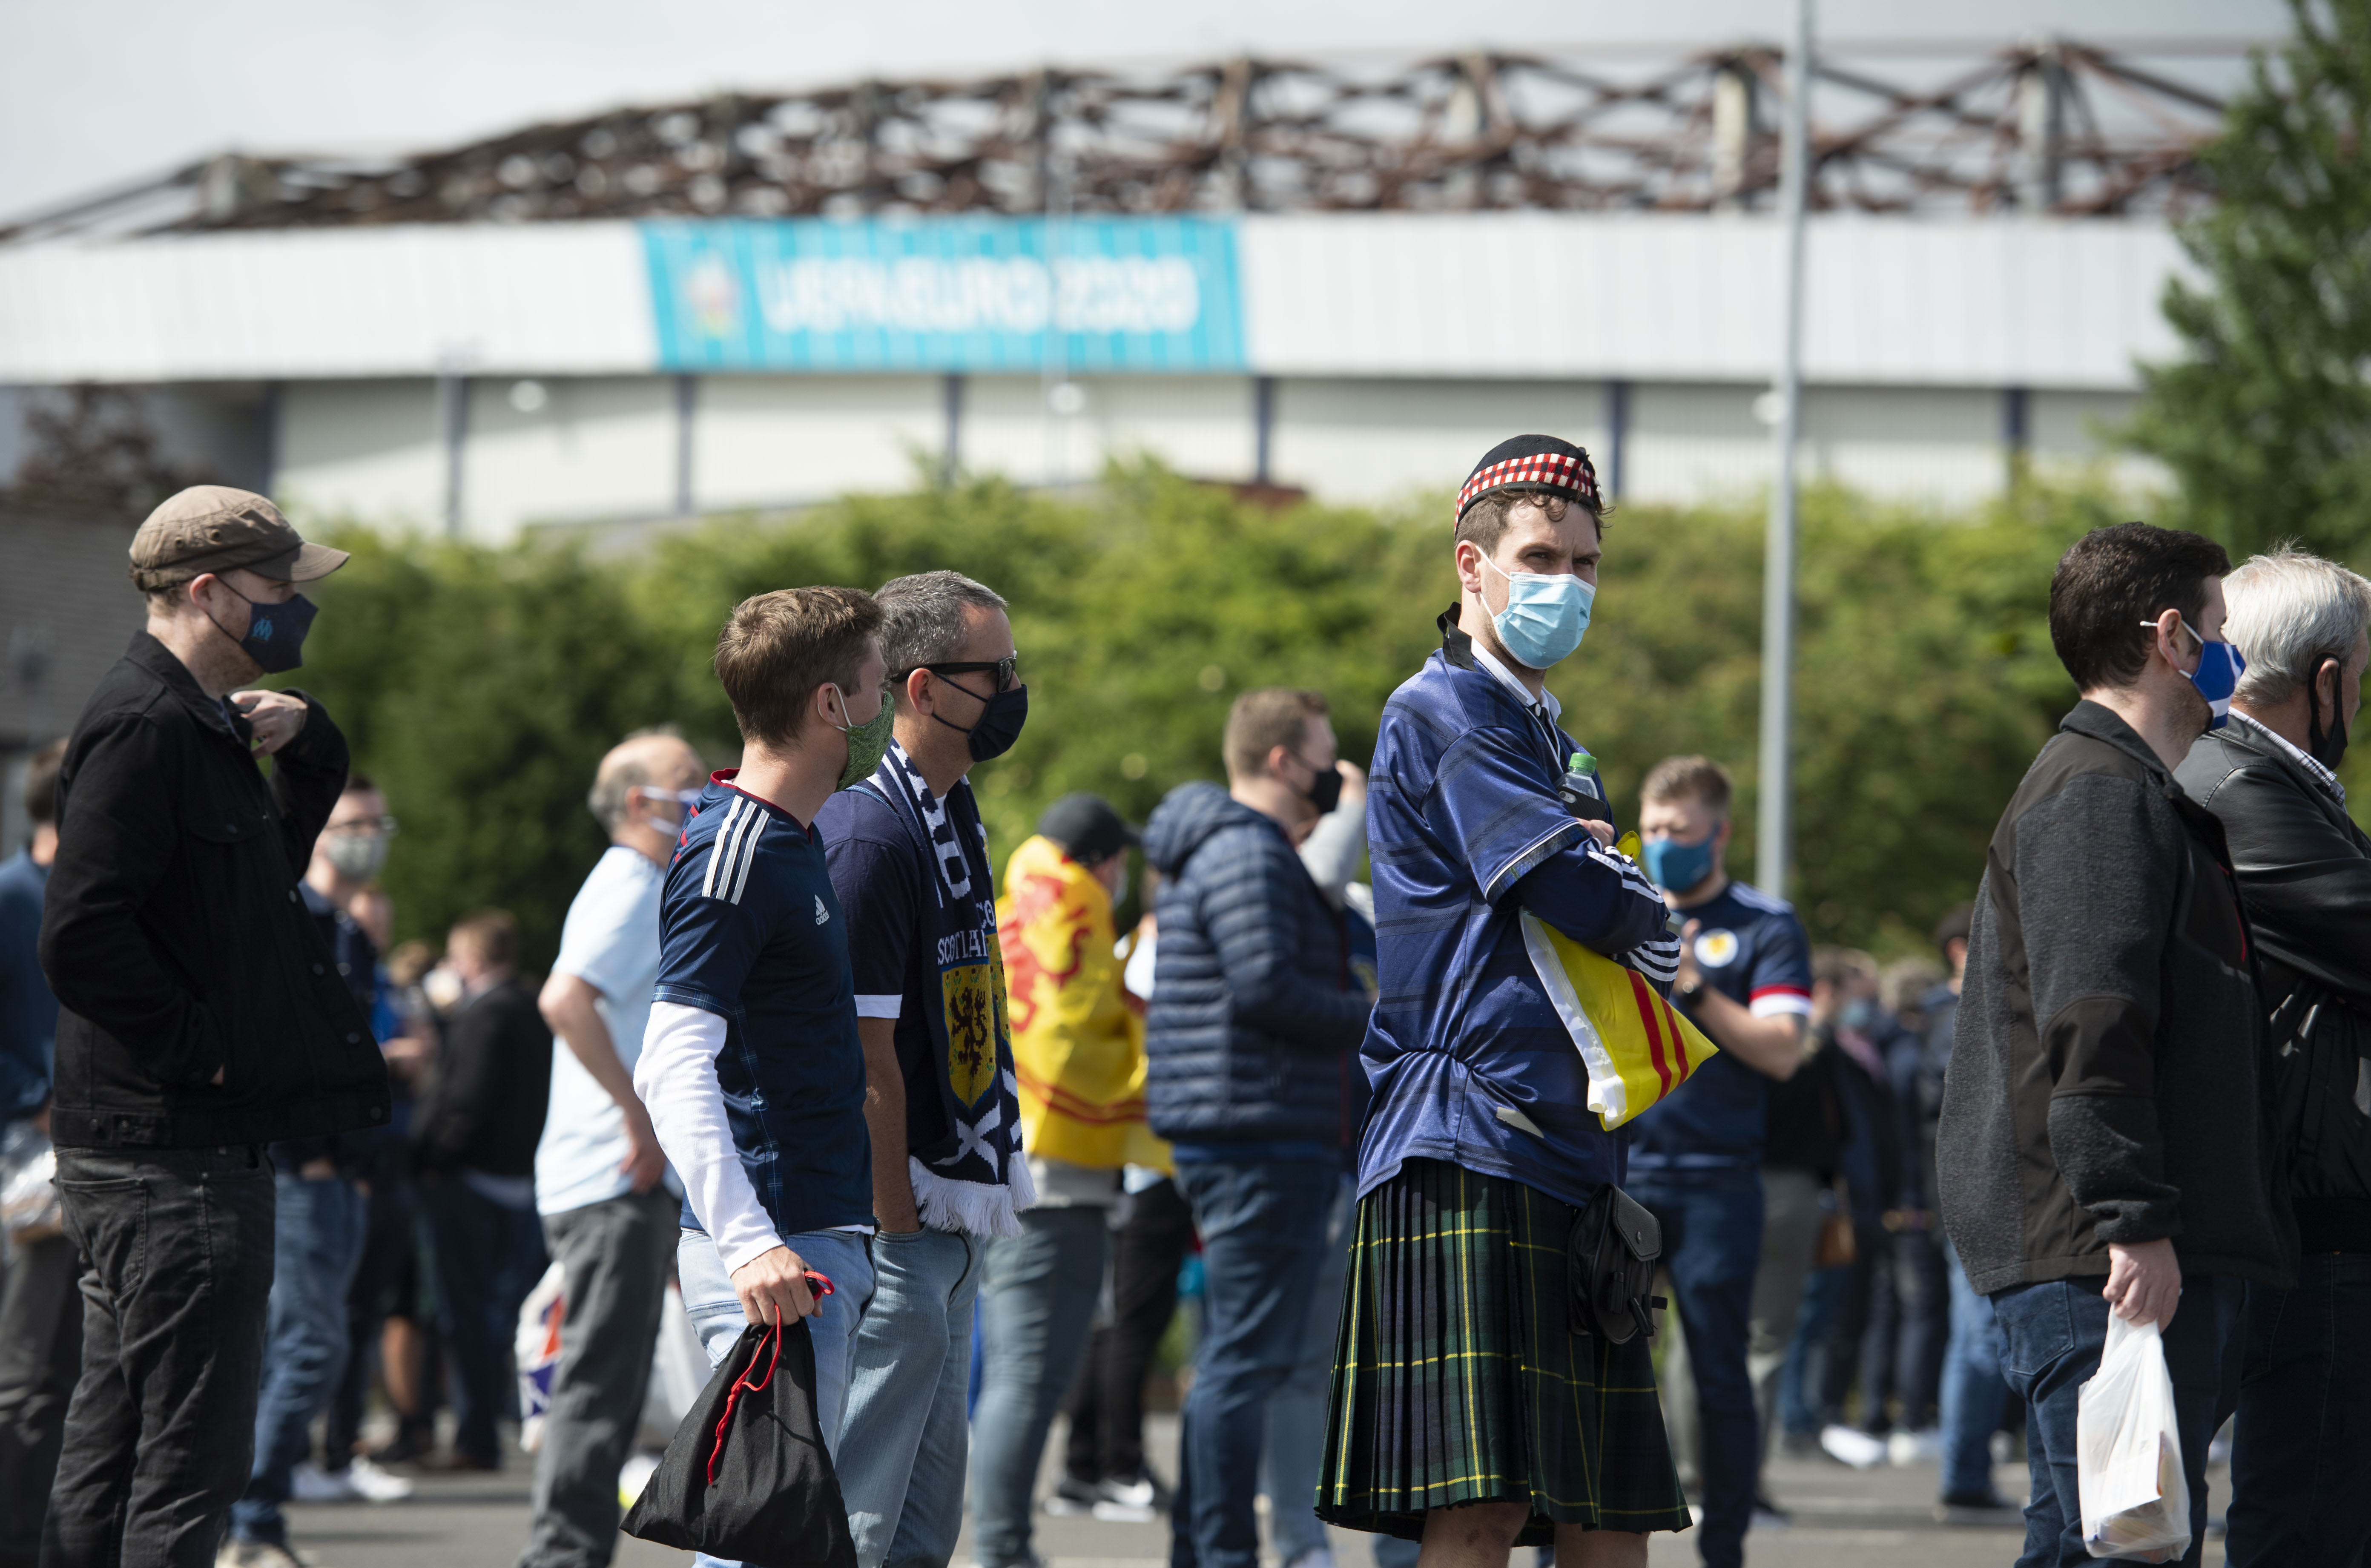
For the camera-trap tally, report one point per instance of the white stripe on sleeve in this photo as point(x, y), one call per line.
point(716, 847)
point(873, 1006)
point(759, 823)
point(676, 1078)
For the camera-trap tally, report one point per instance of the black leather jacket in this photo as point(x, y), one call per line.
point(2304, 874)
point(175, 936)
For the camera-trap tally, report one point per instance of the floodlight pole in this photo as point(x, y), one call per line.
point(1775, 821)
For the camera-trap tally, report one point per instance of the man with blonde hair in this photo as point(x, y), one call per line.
point(2301, 1457)
point(751, 1067)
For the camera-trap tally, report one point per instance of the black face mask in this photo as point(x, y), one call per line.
point(1000, 723)
point(275, 632)
point(2327, 747)
point(1324, 791)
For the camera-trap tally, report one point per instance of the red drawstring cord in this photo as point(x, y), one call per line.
point(822, 1286)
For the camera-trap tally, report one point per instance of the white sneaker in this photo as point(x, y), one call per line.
point(308, 1482)
point(1850, 1446)
point(1903, 1449)
point(255, 1555)
point(373, 1484)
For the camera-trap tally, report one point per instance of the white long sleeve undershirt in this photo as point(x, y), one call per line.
point(676, 1078)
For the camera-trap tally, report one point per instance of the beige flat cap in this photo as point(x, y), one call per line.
point(211, 527)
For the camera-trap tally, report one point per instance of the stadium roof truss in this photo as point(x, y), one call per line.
point(2051, 126)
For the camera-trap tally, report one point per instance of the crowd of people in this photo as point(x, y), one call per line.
point(804, 1056)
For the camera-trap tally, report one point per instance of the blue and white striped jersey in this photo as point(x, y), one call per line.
point(751, 932)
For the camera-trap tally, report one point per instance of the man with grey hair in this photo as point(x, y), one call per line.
point(908, 858)
point(600, 1178)
point(2301, 1453)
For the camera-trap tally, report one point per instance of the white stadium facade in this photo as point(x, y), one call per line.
point(1254, 272)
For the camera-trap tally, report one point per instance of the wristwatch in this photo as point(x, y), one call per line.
point(1688, 993)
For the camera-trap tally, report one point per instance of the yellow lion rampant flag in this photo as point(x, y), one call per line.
point(1078, 1046)
point(1637, 1047)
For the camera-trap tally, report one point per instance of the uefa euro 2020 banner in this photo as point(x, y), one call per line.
point(1080, 294)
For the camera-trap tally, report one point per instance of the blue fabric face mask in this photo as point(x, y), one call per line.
point(1546, 615)
point(1674, 867)
point(275, 632)
point(2219, 669)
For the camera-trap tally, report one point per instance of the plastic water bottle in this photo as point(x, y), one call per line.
point(1578, 789)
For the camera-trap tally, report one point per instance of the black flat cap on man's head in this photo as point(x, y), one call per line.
point(1539, 465)
point(1087, 829)
point(212, 527)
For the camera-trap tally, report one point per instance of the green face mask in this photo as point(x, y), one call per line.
point(867, 743)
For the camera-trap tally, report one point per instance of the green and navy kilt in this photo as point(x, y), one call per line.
point(1457, 1377)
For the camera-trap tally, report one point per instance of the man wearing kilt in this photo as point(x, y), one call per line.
point(1467, 1411)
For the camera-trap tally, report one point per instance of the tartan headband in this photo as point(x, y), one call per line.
point(1539, 464)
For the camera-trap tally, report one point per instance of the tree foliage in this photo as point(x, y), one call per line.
point(480, 687)
point(2266, 421)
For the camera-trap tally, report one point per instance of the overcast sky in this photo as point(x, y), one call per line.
point(100, 91)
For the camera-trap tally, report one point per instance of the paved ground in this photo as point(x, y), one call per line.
point(1843, 1519)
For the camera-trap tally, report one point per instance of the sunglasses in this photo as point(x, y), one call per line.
point(1007, 669)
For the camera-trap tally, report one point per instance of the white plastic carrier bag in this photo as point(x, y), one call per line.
point(537, 1351)
point(2128, 1451)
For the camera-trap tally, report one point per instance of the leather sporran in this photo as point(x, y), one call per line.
point(1610, 1263)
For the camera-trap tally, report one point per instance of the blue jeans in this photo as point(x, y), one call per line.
point(2050, 1338)
point(488, 1257)
point(903, 1477)
point(719, 1319)
point(317, 1240)
point(1263, 1226)
point(1974, 1395)
point(1295, 1441)
point(1801, 1413)
point(1712, 1246)
point(2301, 1451)
point(1036, 1309)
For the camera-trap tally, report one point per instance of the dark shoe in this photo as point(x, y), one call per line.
point(1768, 1515)
point(458, 1463)
point(409, 1445)
point(1976, 1508)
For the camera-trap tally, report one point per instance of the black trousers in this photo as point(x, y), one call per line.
point(40, 1352)
point(2301, 1451)
point(386, 1285)
point(1106, 1408)
point(176, 1248)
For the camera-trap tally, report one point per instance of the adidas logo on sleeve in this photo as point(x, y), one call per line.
point(822, 914)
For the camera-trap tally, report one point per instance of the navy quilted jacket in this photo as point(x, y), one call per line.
point(1256, 1016)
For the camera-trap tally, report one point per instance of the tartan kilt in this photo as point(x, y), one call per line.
point(1457, 1378)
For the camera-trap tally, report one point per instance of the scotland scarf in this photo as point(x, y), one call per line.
point(972, 1179)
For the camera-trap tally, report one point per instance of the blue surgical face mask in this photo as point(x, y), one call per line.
point(275, 632)
point(1859, 1015)
point(1674, 867)
point(2219, 669)
point(1546, 617)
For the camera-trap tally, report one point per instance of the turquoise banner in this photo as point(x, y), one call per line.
point(1085, 295)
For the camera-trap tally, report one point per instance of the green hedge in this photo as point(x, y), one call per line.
point(481, 686)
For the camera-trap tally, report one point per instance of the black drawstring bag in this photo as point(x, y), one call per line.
point(747, 1477)
point(1610, 1267)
